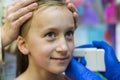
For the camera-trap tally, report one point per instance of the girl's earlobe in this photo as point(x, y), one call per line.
point(22, 45)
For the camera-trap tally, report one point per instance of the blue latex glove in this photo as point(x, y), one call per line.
point(112, 64)
point(77, 71)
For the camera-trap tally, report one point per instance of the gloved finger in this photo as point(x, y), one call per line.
point(83, 61)
point(110, 57)
point(75, 69)
point(86, 46)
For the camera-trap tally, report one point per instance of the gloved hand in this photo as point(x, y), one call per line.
point(112, 64)
point(77, 71)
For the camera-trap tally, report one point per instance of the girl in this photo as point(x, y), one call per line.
point(46, 42)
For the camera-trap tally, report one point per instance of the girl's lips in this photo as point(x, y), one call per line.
point(59, 58)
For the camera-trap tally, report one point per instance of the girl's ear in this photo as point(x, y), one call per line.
point(22, 45)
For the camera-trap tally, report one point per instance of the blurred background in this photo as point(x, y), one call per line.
point(98, 20)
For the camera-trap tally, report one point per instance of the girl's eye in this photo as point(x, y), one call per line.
point(69, 35)
point(50, 35)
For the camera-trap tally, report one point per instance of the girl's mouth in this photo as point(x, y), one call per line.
point(64, 58)
point(60, 59)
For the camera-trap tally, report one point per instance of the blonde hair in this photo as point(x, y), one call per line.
point(43, 4)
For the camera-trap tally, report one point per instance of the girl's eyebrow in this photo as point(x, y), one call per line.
point(71, 28)
point(51, 28)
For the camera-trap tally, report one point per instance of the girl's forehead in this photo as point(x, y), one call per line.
point(52, 15)
point(48, 15)
point(50, 9)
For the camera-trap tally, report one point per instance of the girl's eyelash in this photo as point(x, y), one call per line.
point(50, 36)
point(70, 32)
point(69, 35)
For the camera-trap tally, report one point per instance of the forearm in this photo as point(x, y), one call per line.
point(4, 38)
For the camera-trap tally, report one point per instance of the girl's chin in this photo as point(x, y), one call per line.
point(59, 71)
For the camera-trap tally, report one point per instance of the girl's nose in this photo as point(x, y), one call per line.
point(62, 46)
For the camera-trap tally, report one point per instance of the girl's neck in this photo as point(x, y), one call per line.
point(33, 74)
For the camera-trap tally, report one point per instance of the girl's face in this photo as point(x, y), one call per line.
point(49, 41)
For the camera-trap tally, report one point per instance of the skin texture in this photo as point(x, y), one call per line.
point(48, 43)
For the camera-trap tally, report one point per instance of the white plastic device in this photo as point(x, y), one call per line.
point(93, 56)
